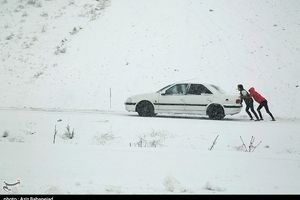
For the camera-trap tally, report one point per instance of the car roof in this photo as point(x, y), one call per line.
point(210, 86)
point(193, 82)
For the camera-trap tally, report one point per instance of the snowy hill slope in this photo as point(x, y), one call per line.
point(68, 53)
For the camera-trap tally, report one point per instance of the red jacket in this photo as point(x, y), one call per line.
point(256, 96)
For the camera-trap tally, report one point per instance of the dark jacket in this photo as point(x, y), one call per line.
point(246, 97)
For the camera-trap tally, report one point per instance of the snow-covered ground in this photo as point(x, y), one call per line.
point(60, 58)
point(117, 152)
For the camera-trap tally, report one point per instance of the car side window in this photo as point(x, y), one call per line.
point(198, 89)
point(179, 89)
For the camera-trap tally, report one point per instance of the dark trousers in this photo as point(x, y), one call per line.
point(264, 104)
point(249, 105)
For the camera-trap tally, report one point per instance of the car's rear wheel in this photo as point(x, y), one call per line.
point(215, 111)
point(145, 109)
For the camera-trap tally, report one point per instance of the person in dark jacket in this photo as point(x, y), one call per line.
point(262, 103)
point(245, 96)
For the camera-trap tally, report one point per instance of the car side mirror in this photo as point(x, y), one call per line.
point(163, 94)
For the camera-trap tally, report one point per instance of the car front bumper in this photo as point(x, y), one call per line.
point(130, 106)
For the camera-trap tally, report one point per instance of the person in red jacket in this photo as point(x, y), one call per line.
point(262, 103)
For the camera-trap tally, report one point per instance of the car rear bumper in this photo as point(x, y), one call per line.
point(232, 109)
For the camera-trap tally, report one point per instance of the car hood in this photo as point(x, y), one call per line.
point(146, 96)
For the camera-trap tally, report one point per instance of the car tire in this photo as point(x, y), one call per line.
point(215, 111)
point(145, 109)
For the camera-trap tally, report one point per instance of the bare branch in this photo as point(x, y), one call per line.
point(251, 143)
point(256, 146)
point(212, 146)
point(244, 144)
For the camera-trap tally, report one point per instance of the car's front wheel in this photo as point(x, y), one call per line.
point(145, 109)
point(215, 111)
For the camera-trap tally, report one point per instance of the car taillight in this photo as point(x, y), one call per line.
point(238, 101)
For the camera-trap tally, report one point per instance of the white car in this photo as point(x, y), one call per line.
point(186, 98)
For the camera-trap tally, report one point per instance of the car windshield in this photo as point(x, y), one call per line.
point(217, 88)
point(163, 88)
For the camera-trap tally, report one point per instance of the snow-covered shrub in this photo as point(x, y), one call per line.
point(71, 2)
point(44, 28)
point(93, 11)
point(16, 139)
point(34, 38)
point(240, 148)
point(251, 146)
point(38, 74)
point(75, 30)
point(11, 36)
point(113, 189)
point(103, 138)
point(26, 45)
point(24, 14)
point(68, 133)
point(154, 139)
point(210, 187)
point(21, 7)
point(59, 14)
point(44, 14)
point(35, 3)
point(32, 2)
point(60, 49)
point(19, 36)
point(171, 184)
point(53, 190)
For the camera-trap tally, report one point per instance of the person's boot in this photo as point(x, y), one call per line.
point(273, 119)
point(256, 116)
point(260, 115)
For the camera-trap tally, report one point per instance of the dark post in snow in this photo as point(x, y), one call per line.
point(55, 132)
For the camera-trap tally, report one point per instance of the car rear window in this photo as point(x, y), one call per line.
point(217, 88)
